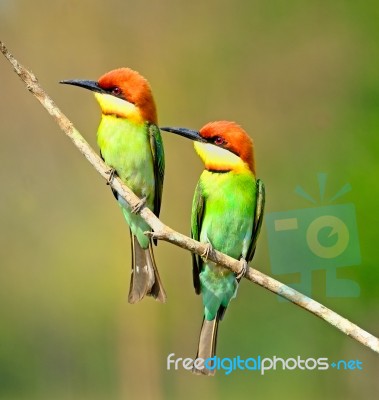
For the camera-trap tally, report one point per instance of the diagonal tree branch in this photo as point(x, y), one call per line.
point(163, 232)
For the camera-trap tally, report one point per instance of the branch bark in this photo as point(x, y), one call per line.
point(163, 232)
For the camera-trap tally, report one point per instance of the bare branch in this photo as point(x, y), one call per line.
point(163, 232)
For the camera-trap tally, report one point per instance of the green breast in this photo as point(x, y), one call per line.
point(125, 146)
point(230, 200)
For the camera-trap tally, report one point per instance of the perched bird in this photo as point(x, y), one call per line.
point(130, 143)
point(227, 214)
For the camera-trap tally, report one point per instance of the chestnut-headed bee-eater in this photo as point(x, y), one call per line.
point(227, 214)
point(130, 143)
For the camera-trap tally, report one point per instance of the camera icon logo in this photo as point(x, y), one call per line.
point(336, 227)
point(317, 238)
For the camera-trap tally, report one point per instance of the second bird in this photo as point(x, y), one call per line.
point(130, 143)
point(227, 214)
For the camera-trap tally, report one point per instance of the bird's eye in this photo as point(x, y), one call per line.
point(116, 91)
point(218, 140)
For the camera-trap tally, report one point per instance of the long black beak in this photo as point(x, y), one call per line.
point(187, 133)
point(90, 85)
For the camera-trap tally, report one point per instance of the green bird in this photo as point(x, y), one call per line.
point(227, 215)
point(130, 143)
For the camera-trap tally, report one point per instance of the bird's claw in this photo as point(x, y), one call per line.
point(112, 173)
point(243, 269)
point(208, 250)
point(150, 234)
point(138, 207)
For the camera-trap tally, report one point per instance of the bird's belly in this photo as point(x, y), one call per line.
point(138, 175)
point(136, 172)
point(229, 233)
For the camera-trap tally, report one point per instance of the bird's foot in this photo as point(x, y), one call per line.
point(138, 207)
point(112, 173)
point(242, 271)
point(208, 250)
point(150, 234)
point(154, 235)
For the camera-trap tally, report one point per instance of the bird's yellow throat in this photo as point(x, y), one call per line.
point(111, 105)
point(218, 159)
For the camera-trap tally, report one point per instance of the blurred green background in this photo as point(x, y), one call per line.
point(300, 76)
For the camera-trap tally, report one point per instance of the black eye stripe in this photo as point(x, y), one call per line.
point(218, 140)
point(117, 92)
point(223, 145)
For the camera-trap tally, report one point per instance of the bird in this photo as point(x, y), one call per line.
point(227, 214)
point(131, 145)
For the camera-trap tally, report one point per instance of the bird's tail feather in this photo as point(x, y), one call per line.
point(145, 278)
point(207, 343)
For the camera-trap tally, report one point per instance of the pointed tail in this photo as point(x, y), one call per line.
point(207, 343)
point(145, 278)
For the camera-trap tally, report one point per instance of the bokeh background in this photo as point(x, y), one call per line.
point(301, 77)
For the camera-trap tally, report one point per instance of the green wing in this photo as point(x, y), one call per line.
point(258, 218)
point(157, 152)
point(198, 206)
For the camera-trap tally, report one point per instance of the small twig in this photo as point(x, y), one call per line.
point(167, 234)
